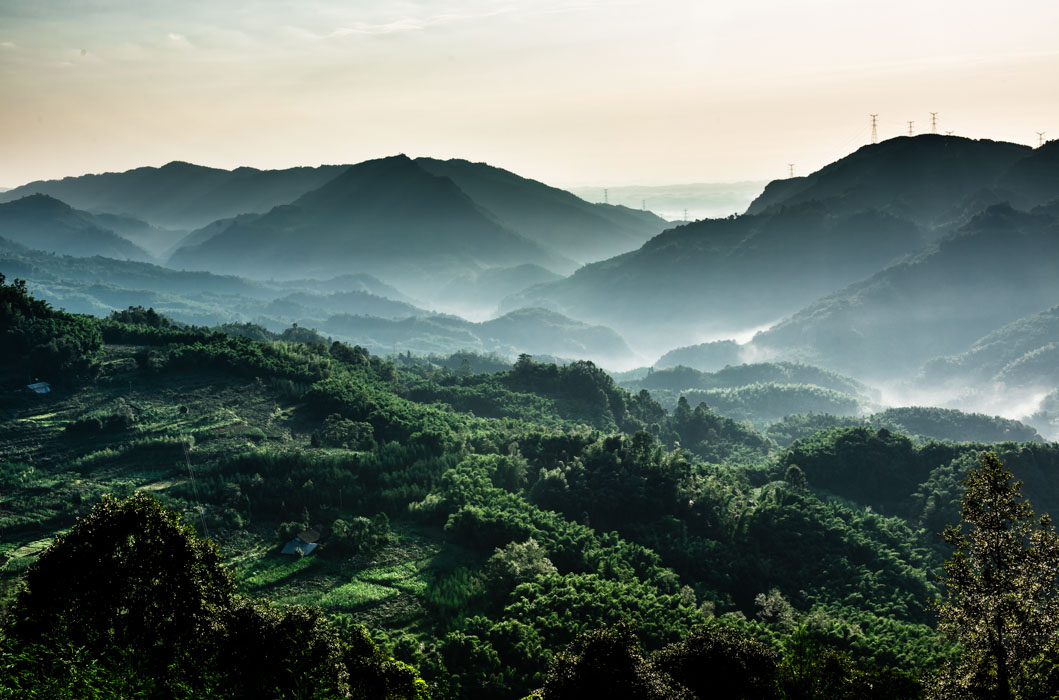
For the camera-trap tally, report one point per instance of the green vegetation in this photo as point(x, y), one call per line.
point(501, 532)
point(1002, 583)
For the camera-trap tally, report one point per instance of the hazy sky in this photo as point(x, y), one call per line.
point(564, 91)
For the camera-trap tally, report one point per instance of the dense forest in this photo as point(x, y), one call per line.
point(484, 530)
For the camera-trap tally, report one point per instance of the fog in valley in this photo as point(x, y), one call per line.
point(526, 351)
point(922, 266)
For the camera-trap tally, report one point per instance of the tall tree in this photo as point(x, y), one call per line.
point(1002, 602)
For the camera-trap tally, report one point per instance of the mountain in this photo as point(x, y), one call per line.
point(1034, 180)
point(153, 239)
point(718, 276)
point(181, 195)
point(530, 331)
point(477, 293)
point(304, 304)
point(1021, 353)
point(950, 424)
point(921, 178)
point(761, 393)
point(705, 357)
point(201, 235)
point(388, 216)
point(98, 285)
point(1001, 266)
point(556, 219)
point(682, 378)
point(45, 223)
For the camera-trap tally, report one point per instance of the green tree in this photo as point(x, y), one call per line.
point(130, 603)
point(609, 663)
point(1002, 602)
point(720, 662)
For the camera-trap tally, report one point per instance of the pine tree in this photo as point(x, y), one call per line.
point(1002, 581)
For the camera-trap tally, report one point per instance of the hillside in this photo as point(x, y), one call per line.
point(485, 518)
point(1034, 180)
point(922, 178)
point(1016, 354)
point(556, 219)
point(1001, 266)
point(726, 275)
point(478, 522)
point(45, 223)
point(182, 196)
point(705, 357)
point(388, 217)
point(98, 285)
point(530, 331)
point(760, 393)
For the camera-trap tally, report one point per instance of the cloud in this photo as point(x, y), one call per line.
point(8, 45)
point(412, 24)
point(179, 39)
point(400, 25)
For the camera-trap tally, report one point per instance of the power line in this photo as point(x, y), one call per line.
point(195, 488)
point(874, 128)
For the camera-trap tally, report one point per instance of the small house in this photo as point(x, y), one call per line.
point(303, 542)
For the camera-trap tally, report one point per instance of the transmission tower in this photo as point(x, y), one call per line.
point(790, 169)
point(874, 128)
point(606, 197)
point(1040, 138)
point(933, 122)
point(685, 215)
point(643, 204)
point(910, 128)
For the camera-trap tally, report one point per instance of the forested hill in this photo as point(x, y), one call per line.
point(477, 524)
point(925, 178)
point(45, 223)
point(726, 274)
point(552, 217)
point(1021, 354)
point(182, 195)
point(388, 217)
point(1001, 266)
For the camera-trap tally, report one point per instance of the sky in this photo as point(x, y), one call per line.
point(573, 93)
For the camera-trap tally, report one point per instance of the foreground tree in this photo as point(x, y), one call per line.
point(131, 603)
point(1002, 602)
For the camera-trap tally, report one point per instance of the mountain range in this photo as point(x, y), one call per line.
point(45, 223)
point(999, 267)
point(181, 195)
point(931, 259)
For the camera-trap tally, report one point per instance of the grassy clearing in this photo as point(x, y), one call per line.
point(20, 558)
point(268, 571)
point(355, 594)
point(407, 577)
